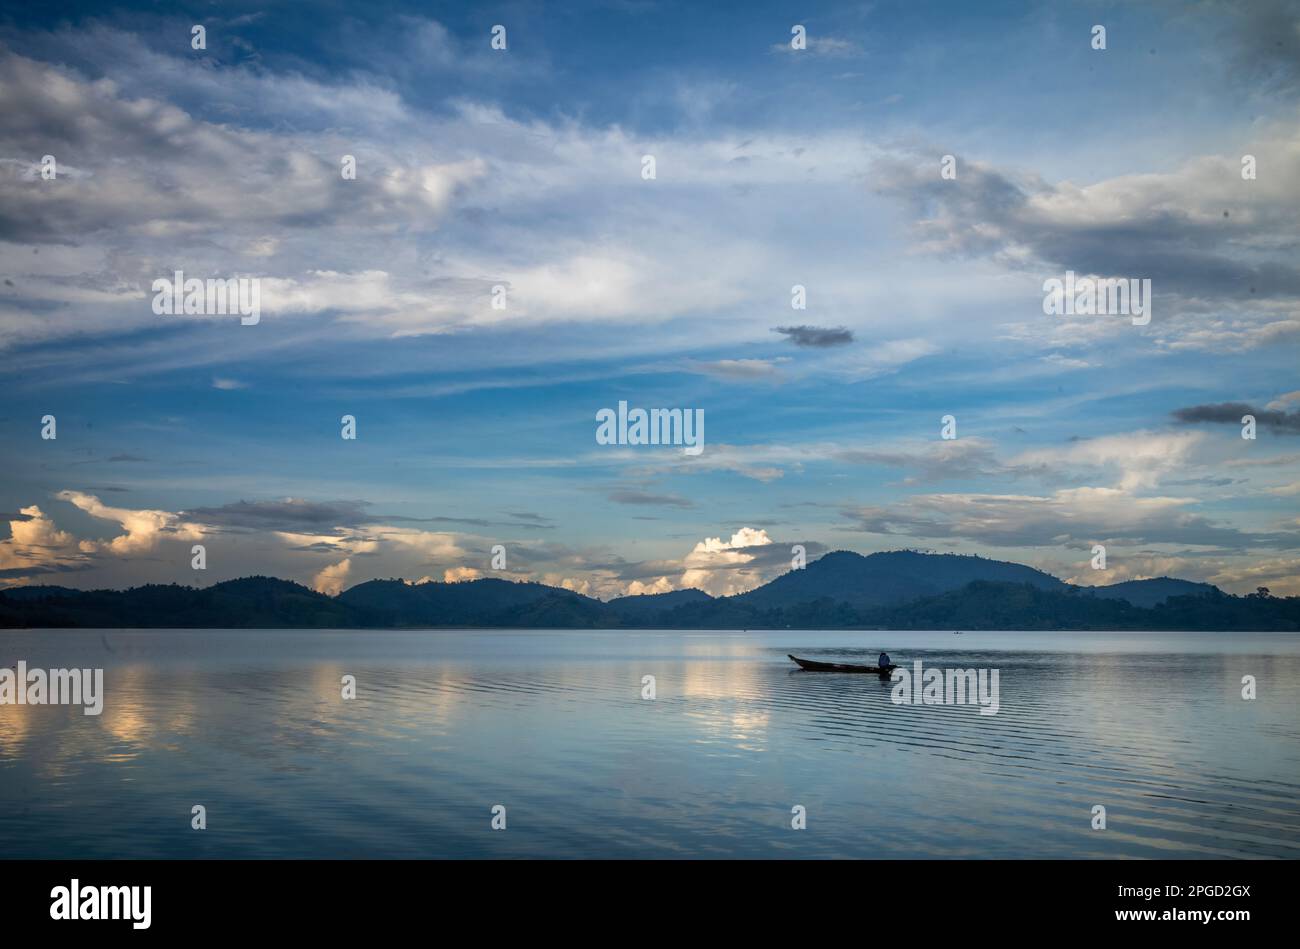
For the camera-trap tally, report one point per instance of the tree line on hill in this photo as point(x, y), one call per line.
point(843, 590)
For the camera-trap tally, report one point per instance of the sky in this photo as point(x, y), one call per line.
point(502, 267)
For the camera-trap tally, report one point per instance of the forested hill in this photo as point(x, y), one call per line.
point(894, 590)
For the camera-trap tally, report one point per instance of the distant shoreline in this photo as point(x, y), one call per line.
point(894, 590)
point(615, 629)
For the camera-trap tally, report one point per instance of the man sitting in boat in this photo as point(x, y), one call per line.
point(883, 662)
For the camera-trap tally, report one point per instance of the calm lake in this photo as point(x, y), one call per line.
point(552, 725)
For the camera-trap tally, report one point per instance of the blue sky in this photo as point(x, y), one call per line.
point(522, 168)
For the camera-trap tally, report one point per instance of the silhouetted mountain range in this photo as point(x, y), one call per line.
point(896, 576)
point(891, 590)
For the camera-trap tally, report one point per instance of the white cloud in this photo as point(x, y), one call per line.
point(831, 47)
point(723, 567)
point(1070, 517)
point(741, 369)
point(332, 579)
point(642, 588)
point(1141, 458)
point(1280, 574)
point(1057, 361)
point(1285, 401)
point(606, 246)
point(35, 546)
point(143, 529)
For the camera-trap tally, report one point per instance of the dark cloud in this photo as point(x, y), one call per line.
point(962, 458)
point(290, 514)
point(114, 459)
point(299, 515)
point(400, 519)
point(651, 500)
point(530, 521)
point(36, 570)
point(1054, 521)
point(1230, 413)
point(1267, 41)
point(319, 547)
point(165, 161)
point(1169, 231)
point(524, 520)
point(816, 336)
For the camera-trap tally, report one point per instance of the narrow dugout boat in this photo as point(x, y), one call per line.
point(811, 665)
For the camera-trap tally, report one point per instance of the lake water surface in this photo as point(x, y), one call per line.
point(446, 724)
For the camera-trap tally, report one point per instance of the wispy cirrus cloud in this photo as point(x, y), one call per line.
point(1071, 517)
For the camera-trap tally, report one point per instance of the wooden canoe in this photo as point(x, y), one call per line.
point(811, 665)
